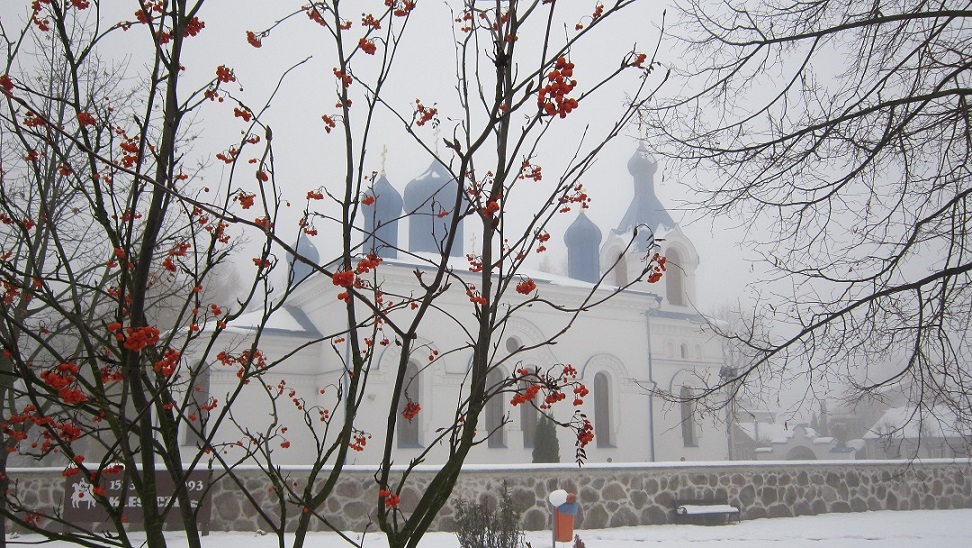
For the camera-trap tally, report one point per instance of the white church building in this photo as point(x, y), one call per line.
point(644, 337)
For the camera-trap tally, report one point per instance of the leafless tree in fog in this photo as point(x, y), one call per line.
point(843, 127)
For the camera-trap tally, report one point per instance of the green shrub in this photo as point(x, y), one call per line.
point(546, 446)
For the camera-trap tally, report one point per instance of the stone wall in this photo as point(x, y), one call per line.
point(609, 495)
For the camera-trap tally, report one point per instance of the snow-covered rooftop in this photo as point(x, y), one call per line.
point(908, 422)
point(286, 320)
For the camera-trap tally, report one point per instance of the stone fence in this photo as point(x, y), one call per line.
point(610, 495)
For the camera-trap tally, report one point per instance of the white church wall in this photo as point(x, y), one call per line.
point(616, 330)
point(254, 407)
point(610, 339)
point(692, 358)
point(687, 434)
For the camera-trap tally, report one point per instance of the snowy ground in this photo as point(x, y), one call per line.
point(917, 529)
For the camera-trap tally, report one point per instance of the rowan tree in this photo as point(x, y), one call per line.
point(514, 85)
point(117, 386)
point(105, 235)
point(840, 132)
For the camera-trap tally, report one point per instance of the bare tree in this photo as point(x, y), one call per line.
point(842, 128)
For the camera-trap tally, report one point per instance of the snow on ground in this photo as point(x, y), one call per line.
point(914, 529)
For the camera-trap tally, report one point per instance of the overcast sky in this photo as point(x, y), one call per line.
point(427, 67)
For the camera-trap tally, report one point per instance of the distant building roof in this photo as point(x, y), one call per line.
point(909, 422)
point(766, 431)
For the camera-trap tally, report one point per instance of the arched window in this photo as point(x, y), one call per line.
point(683, 351)
point(602, 411)
point(688, 417)
point(528, 413)
point(675, 276)
point(408, 430)
point(621, 271)
point(528, 420)
point(495, 412)
point(194, 433)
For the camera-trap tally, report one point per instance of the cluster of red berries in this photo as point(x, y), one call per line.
point(552, 97)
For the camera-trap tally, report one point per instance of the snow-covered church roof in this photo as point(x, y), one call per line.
point(288, 320)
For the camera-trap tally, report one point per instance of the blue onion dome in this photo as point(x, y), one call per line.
point(388, 202)
point(435, 182)
point(583, 239)
point(642, 162)
point(381, 219)
point(428, 195)
point(645, 212)
point(582, 231)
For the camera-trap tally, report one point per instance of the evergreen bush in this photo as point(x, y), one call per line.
point(546, 446)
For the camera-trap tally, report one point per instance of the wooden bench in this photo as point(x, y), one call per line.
point(715, 511)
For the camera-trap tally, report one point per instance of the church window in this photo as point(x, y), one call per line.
point(687, 405)
point(602, 411)
point(408, 430)
point(495, 412)
point(195, 430)
point(675, 278)
point(528, 420)
point(621, 271)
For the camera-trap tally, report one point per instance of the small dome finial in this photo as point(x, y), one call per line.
point(642, 161)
